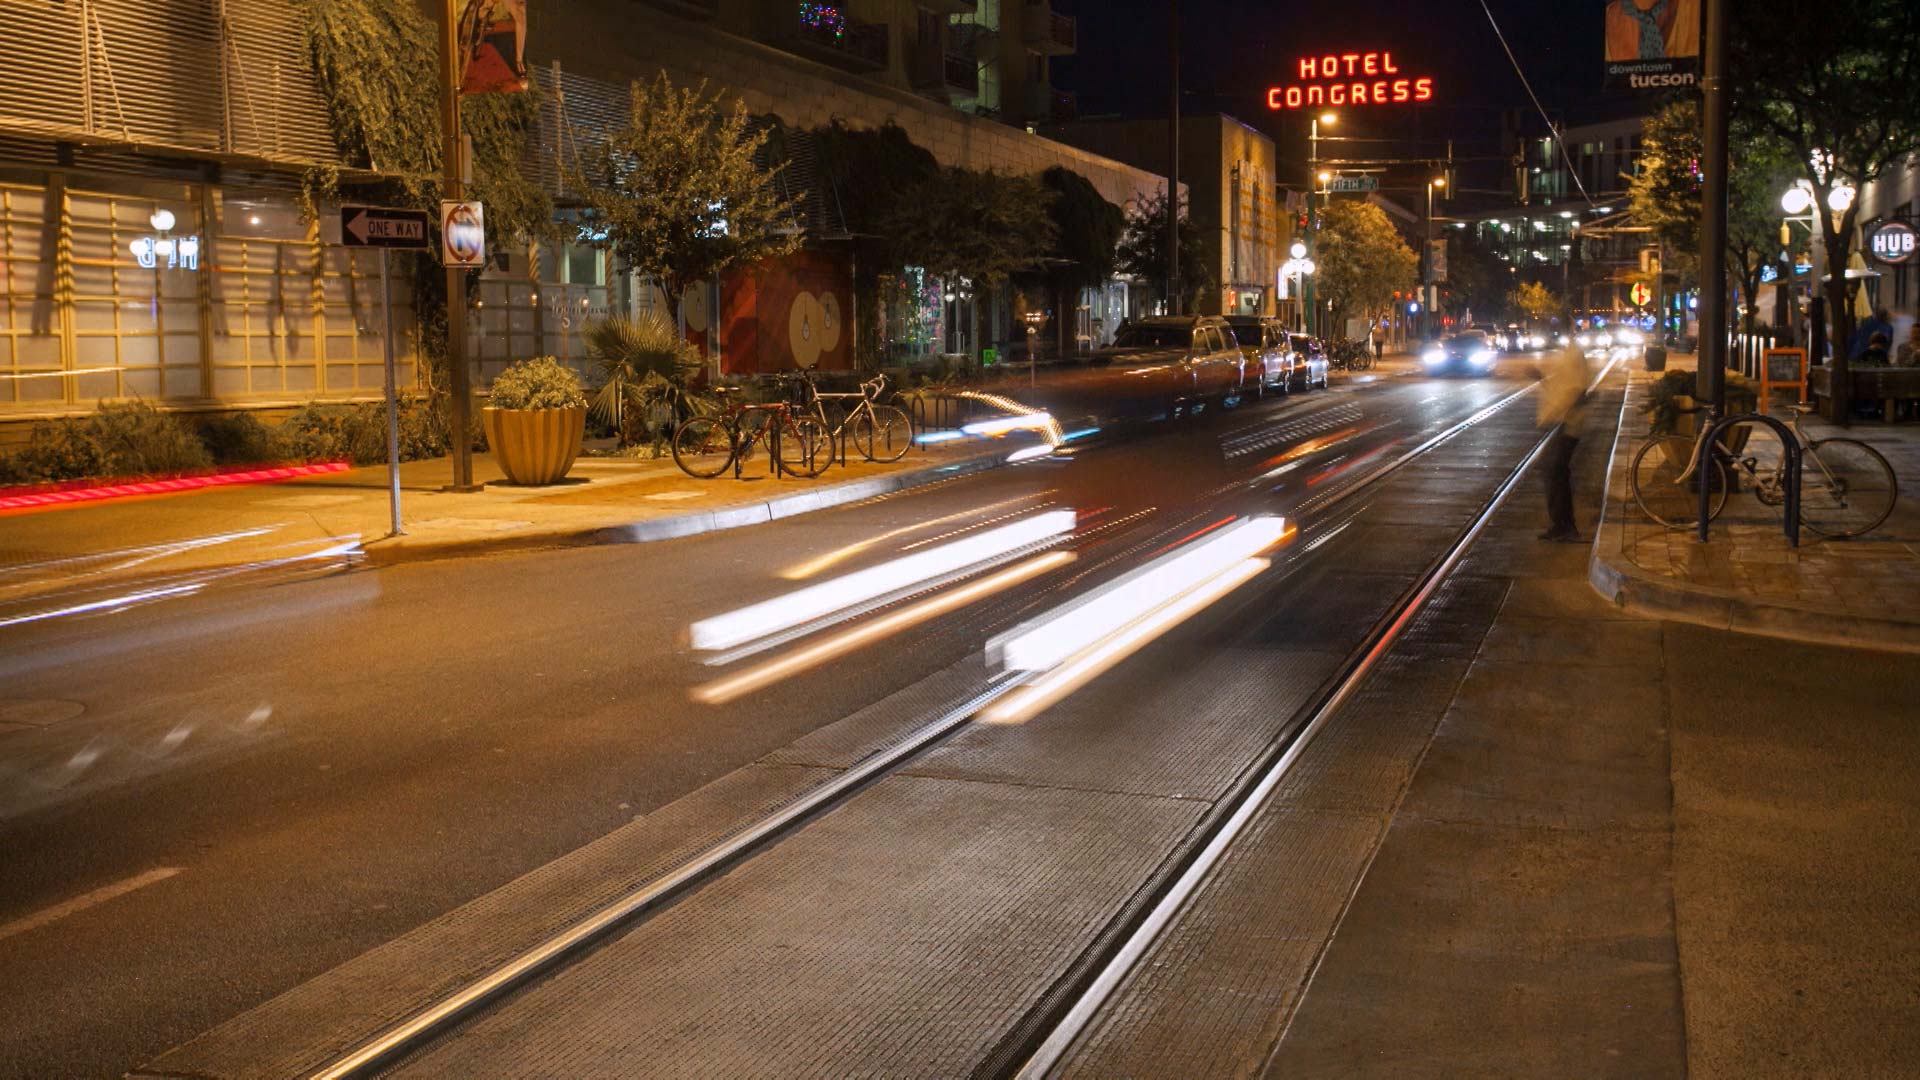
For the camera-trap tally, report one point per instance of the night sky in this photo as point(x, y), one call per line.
point(1232, 50)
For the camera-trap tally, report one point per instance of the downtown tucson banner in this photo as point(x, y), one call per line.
point(1652, 44)
point(493, 47)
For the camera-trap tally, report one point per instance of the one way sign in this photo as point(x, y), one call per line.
point(383, 227)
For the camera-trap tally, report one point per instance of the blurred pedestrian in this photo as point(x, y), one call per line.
point(1880, 323)
point(1909, 354)
point(1378, 336)
point(1563, 407)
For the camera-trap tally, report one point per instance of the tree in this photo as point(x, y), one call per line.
point(982, 226)
point(1362, 260)
point(675, 192)
point(1476, 277)
point(1085, 255)
point(1665, 193)
point(1143, 251)
point(1533, 300)
point(871, 170)
point(1837, 91)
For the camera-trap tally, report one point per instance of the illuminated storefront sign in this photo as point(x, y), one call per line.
point(1892, 243)
point(1372, 78)
point(181, 252)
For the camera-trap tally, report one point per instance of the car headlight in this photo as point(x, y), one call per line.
point(1584, 340)
point(1481, 357)
point(1433, 356)
point(1537, 341)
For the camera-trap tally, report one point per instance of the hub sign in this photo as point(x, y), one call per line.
point(1892, 242)
point(1369, 78)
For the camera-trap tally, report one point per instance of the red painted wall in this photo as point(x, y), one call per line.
point(787, 313)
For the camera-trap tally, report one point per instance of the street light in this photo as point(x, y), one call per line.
point(1426, 252)
point(1313, 221)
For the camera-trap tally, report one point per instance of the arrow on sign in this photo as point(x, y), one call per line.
point(382, 226)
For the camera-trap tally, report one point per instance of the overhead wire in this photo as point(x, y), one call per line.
point(1541, 109)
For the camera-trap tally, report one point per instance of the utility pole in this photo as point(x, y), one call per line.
point(1313, 218)
point(1710, 383)
point(1173, 160)
point(458, 388)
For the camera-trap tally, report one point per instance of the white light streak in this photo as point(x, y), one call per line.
point(1049, 640)
point(724, 690)
point(816, 601)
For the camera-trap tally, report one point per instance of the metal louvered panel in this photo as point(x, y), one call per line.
point(274, 105)
point(576, 112)
point(223, 77)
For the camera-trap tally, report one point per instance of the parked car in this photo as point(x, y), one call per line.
point(1265, 350)
point(1190, 357)
point(1310, 364)
point(1466, 353)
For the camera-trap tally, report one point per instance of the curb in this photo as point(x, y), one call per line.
point(682, 525)
point(1659, 597)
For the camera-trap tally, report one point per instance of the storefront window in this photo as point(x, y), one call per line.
point(30, 321)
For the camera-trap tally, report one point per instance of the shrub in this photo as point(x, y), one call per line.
point(1743, 395)
point(539, 383)
point(240, 439)
point(315, 433)
point(123, 440)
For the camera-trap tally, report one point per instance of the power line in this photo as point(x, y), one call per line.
point(1551, 126)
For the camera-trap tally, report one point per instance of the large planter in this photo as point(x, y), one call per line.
point(535, 446)
point(1656, 357)
point(1678, 446)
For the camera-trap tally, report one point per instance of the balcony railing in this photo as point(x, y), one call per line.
point(827, 33)
point(691, 9)
point(944, 74)
point(1048, 32)
point(1044, 103)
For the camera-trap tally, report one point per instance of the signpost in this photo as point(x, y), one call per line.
point(386, 228)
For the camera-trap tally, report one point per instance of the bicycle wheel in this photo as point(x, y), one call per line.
point(1846, 488)
point(885, 434)
point(1657, 487)
point(703, 447)
point(806, 449)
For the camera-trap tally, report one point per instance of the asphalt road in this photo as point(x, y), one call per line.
point(251, 787)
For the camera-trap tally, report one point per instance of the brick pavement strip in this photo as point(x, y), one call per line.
point(1746, 578)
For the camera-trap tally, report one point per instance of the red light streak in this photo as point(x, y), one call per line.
point(30, 500)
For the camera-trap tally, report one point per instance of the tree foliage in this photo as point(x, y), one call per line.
point(377, 62)
point(1476, 276)
point(981, 225)
point(1534, 300)
point(675, 192)
point(1089, 230)
point(1362, 259)
point(870, 170)
point(1837, 90)
point(1143, 251)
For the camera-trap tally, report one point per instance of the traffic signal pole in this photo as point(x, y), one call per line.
point(459, 388)
point(1710, 382)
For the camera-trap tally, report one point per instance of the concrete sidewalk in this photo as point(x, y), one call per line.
point(1864, 591)
point(1604, 846)
point(345, 516)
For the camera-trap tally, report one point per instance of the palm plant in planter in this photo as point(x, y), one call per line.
point(536, 417)
point(1672, 412)
point(644, 367)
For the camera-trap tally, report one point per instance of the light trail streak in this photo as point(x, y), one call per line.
point(1028, 453)
point(1050, 640)
point(800, 571)
point(816, 601)
point(1033, 698)
point(44, 500)
point(721, 691)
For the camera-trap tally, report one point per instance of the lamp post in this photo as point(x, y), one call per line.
point(1296, 269)
point(1426, 261)
point(1314, 177)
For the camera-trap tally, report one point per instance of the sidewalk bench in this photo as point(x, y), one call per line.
point(1887, 385)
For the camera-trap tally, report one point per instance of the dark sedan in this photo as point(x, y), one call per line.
point(1468, 353)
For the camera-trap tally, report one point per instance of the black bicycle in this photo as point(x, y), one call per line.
point(796, 442)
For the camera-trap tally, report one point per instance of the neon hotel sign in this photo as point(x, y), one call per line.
point(1350, 79)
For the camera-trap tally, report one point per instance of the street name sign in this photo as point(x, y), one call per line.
point(383, 227)
point(1353, 183)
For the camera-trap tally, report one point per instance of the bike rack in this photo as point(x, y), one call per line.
point(1790, 463)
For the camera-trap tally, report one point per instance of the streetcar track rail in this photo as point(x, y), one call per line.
point(1041, 1029)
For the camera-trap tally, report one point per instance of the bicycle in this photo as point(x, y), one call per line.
point(879, 432)
point(796, 443)
point(1846, 488)
point(1347, 354)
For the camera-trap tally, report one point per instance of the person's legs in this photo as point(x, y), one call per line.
point(1559, 466)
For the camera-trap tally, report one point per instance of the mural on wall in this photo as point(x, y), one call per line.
point(789, 313)
point(813, 327)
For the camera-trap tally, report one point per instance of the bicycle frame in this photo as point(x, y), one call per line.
point(868, 393)
point(1792, 445)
